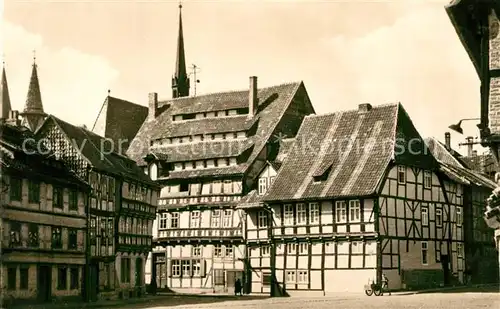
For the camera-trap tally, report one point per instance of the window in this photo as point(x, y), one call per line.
point(340, 212)
point(401, 174)
point(271, 180)
point(427, 179)
point(313, 213)
point(125, 270)
point(72, 238)
point(56, 238)
point(174, 220)
point(229, 252)
point(73, 200)
point(302, 276)
point(460, 250)
point(57, 197)
point(33, 191)
point(267, 279)
point(62, 274)
point(439, 217)
point(219, 277)
point(291, 248)
point(73, 278)
point(184, 187)
point(11, 278)
point(15, 234)
point(218, 250)
point(33, 239)
point(262, 219)
point(16, 188)
point(228, 183)
point(186, 268)
point(196, 250)
point(163, 220)
point(288, 218)
point(176, 268)
point(290, 277)
point(354, 211)
point(196, 267)
point(425, 215)
point(301, 214)
point(195, 219)
point(459, 216)
point(23, 277)
point(424, 253)
point(357, 247)
point(215, 218)
point(262, 185)
point(228, 215)
point(303, 248)
point(265, 250)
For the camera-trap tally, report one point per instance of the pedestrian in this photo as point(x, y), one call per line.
point(237, 287)
point(385, 284)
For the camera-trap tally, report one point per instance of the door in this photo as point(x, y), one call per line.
point(138, 272)
point(161, 275)
point(94, 281)
point(44, 283)
point(232, 276)
point(445, 263)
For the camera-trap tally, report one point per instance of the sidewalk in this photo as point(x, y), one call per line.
point(489, 288)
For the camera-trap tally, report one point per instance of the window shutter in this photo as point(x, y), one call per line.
point(191, 265)
point(202, 268)
point(169, 268)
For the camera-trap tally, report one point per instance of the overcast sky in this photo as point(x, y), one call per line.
point(346, 52)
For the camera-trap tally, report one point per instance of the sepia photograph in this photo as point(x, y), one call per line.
point(250, 154)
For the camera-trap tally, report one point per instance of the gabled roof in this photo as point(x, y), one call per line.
point(273, 102)
point(347, 153)
point(20, 154)
point(454, 168)
point(119, 120)
point(103, 157)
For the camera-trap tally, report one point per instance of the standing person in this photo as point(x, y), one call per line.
point(237, 287)
point(385, 284)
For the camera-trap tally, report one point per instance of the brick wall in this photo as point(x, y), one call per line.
point(494, 95)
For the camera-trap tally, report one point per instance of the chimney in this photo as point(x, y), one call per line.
point(364, 107)
point(152, 105)
point(253, 101)
point(447, 140)
point(470, 146)
point(14, 118)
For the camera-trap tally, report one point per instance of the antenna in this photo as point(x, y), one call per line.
point(195, 69)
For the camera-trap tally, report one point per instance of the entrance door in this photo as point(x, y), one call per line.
point(94, 281)
point(445, 263)
point(232, 276)
point(44, 283)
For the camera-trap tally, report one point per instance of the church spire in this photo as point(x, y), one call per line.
point(33, 114)
point(180, 82)
point(4, 93)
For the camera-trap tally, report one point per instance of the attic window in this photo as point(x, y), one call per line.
point(323, 176)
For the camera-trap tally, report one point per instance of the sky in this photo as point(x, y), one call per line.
point(346, 52)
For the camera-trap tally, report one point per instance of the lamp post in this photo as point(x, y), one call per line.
point(458, 126)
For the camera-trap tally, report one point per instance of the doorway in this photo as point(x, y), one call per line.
point(445, 263)
point(44, 283)
point(232, 276)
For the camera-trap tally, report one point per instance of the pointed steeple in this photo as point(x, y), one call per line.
point(33, 114)
point(4, 93)
point(180, 82)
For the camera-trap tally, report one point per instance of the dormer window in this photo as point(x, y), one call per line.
point(262, 185)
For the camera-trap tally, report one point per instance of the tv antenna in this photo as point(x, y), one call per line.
point(194, 70)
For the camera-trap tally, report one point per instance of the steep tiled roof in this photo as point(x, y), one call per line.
point(22, 157)
point(440, 152)
point(273, 102)
point(100, 157)
point(34, 98)
point(119, 120)
point(205, 126)
point(347, 153)
point(4, 97)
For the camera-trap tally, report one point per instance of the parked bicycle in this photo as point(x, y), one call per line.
point(373, 288)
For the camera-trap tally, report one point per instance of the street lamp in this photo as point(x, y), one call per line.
point(458, 126)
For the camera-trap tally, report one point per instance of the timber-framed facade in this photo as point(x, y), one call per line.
point(122, 207)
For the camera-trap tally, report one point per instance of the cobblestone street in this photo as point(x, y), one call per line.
point(434, 301)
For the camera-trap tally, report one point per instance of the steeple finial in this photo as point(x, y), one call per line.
point(34, 56)
point(180, 82)
point(4, 93)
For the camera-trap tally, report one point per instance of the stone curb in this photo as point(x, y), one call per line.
point(457, 288)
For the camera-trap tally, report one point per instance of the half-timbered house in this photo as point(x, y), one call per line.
point(358, 195)
point(42, 223)
point(122, 207)
point(479, 252)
